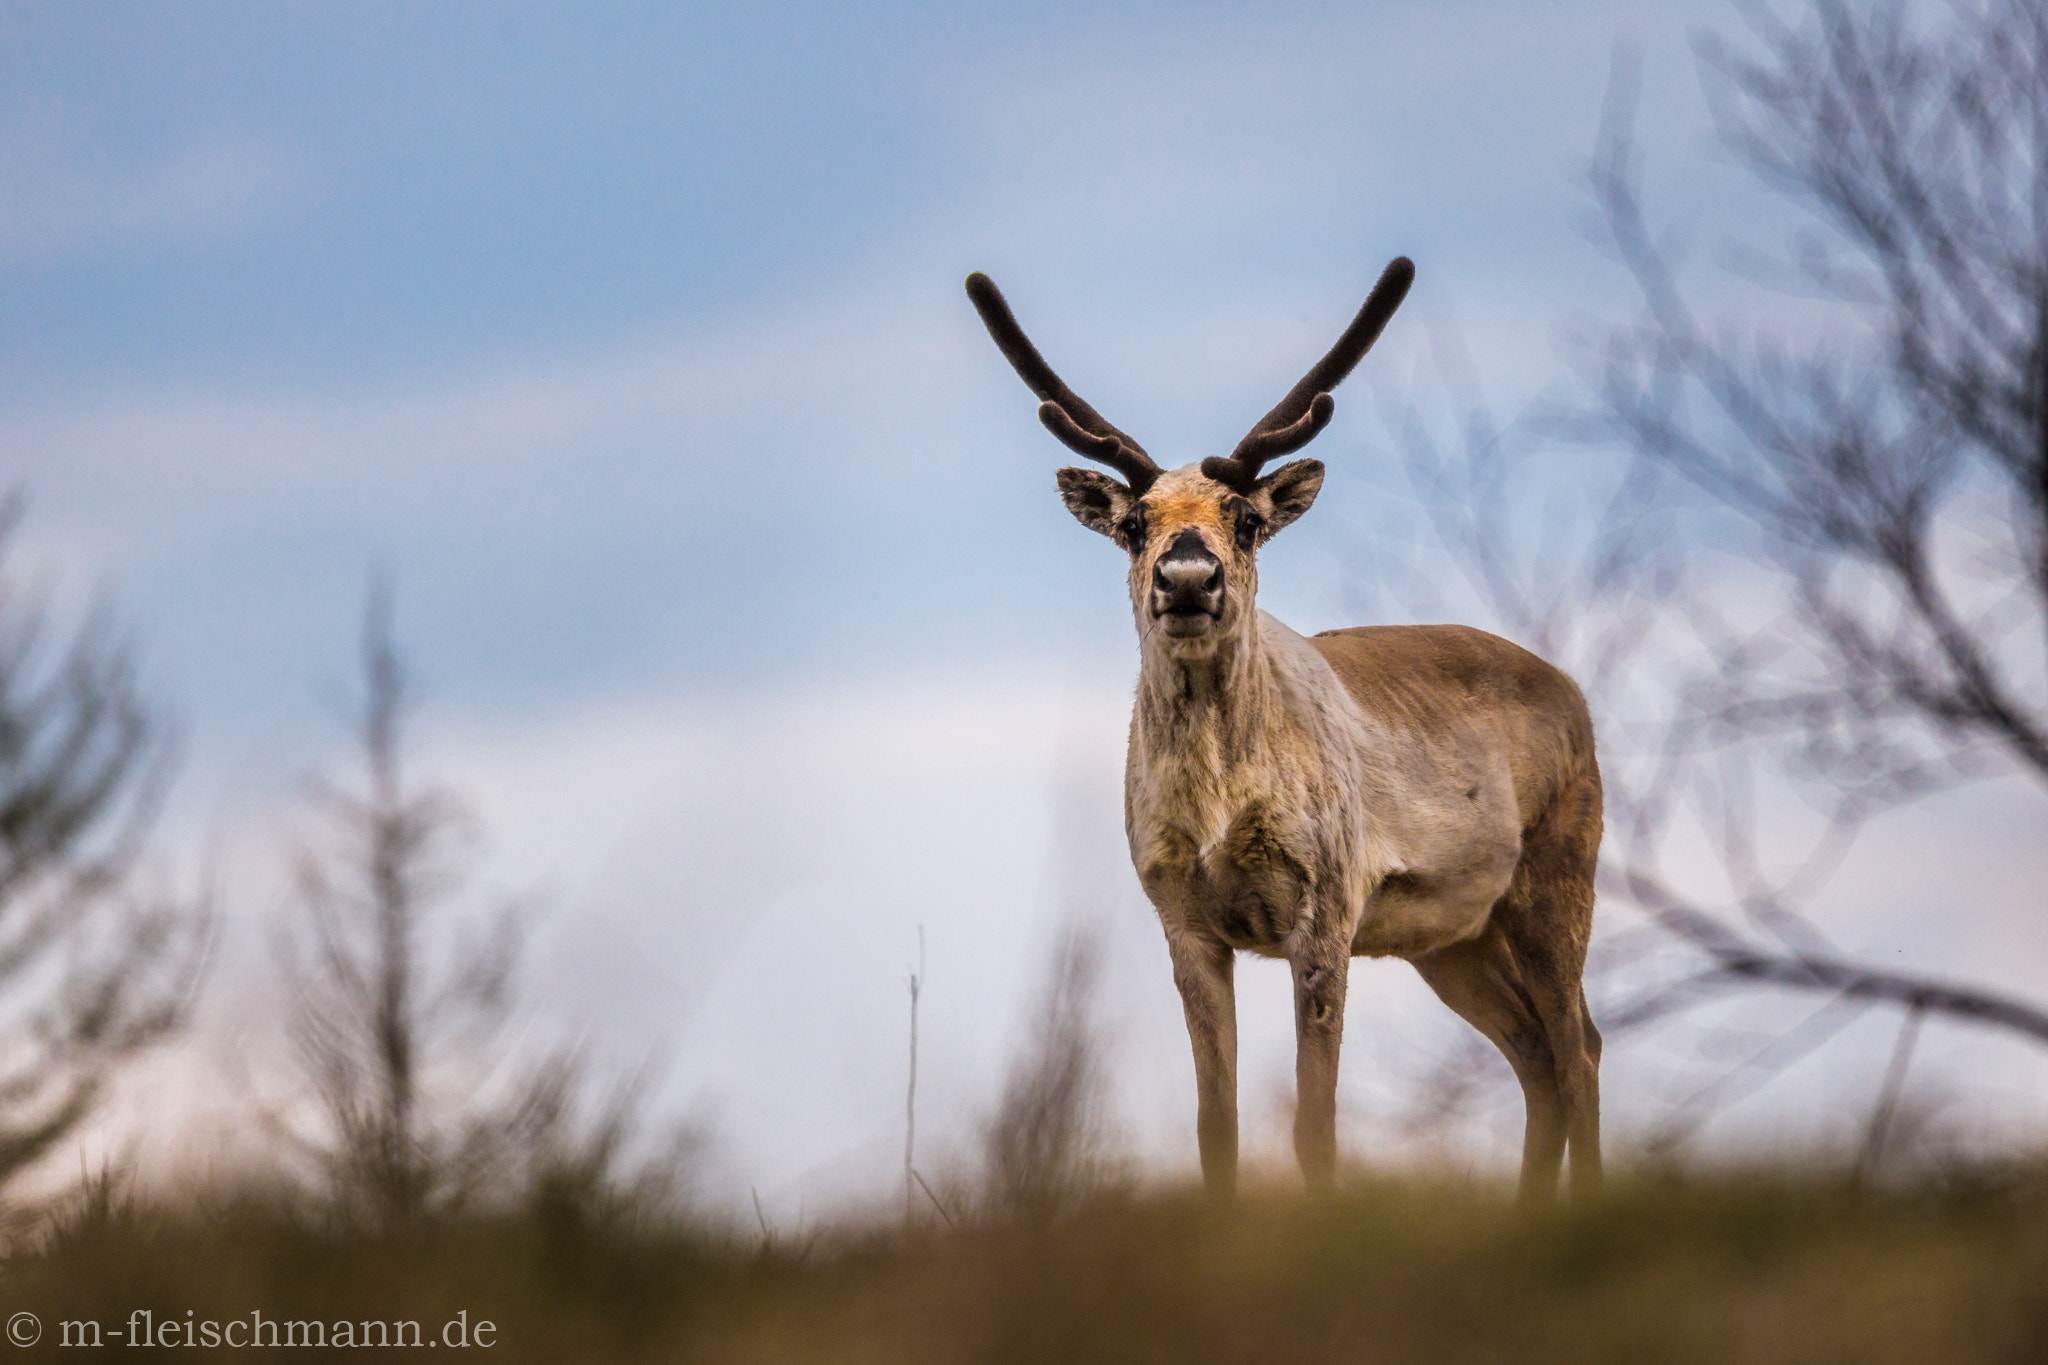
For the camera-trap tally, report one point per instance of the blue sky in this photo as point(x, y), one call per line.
point(261, 264)
point(630, 341)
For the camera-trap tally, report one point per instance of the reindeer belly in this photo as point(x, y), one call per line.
point(1419, 911)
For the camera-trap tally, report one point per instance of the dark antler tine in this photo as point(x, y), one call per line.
point(1070, 417)
point(1138, 470)
point(1282, 431)
point(1106, 449)
point(1255, 449)
point(1343, 357)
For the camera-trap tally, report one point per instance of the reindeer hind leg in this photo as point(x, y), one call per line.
point(1547, 917)
point(1479, 980)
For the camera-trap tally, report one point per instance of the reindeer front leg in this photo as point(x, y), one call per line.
point(1321, 972)
point(1203, 971)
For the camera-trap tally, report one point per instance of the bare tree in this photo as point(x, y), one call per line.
point(404, 1012)
point(1892, 474)
point(1879, 470)
point(1895, 472)
point(93, 966)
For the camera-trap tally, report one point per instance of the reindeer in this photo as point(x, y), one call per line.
point(1421, 792)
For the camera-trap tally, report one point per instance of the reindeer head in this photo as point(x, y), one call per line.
point(1193, 533)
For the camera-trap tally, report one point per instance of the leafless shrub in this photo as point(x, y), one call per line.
point(1047, 1145)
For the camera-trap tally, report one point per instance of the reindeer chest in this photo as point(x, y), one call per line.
point(1236, 866)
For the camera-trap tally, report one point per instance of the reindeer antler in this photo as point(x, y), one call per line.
point(1065, 414)
point(1307, 407)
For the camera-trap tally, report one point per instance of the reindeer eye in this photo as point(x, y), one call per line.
point(1249, 524)
point(1131, 531)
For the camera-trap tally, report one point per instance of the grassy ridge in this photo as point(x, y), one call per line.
point(1750, 1268)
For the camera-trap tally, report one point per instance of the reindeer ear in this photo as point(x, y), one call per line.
point(1097, 501)
point(1286, 493)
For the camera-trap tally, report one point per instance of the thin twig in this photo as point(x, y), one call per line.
point(933, 1197)
point(1880, 1128)
point(910, 1098)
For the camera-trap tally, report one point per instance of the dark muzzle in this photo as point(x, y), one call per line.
point(1187, 585)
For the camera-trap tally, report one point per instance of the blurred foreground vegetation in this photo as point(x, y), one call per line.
point(1754, 1266)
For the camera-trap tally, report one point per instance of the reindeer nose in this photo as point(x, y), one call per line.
point(1188, 578)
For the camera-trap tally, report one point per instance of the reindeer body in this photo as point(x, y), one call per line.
point(1369, 775)
point(1422, 792)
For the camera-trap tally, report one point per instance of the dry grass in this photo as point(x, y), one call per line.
point(1756, 1267)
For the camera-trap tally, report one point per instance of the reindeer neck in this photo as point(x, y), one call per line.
point(1224, 702)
